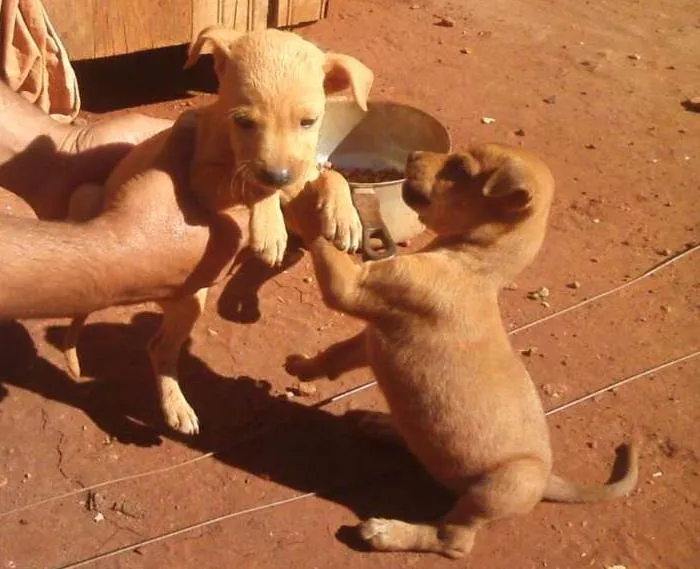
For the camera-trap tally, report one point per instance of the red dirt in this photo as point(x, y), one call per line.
point(625, 154)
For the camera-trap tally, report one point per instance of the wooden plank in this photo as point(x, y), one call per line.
point(124, 26)
point(73, 26)
point(204, 13)
point(293, 12)
point(99, 28)
point(243, 15)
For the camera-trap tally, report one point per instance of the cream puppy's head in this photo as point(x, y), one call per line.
point(272, 93)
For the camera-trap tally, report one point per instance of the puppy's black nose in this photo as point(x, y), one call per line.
point(275, 177)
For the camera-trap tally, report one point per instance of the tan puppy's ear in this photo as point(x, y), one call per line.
point(343, 71)
point(510, 185)
point(216, 40)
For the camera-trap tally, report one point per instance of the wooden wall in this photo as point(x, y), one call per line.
point(100, 28)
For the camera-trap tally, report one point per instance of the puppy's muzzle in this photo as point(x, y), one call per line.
point(413, 192)
point(413, 195)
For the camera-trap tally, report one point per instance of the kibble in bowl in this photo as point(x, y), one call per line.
point(369, 175)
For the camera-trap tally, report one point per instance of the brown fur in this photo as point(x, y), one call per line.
point(272, 93)
point(460, 398)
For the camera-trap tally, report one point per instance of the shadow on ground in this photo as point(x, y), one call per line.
point(239, 301)
point(147, 77)
point(296, 445)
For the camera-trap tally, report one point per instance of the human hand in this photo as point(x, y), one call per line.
point(54, 159)
point(90, 152)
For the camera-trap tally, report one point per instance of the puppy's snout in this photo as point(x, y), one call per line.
point(276, 177)
point(412, 160)
point(413, 194)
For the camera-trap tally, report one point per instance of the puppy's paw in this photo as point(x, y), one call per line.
point(340, 222)
point(303, 367)
point(268, 233)
point(379, 534)
point(270, 245)
point(394, 535)
point(178, 413)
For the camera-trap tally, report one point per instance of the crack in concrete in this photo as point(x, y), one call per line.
point(59, 446)
point(44, 419)
point(59, 451)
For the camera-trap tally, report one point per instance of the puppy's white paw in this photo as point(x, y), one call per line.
point(178, 413)
point(377, 533)
point(271, 246)
point(340, 223)
point(268, 232)
point(394, 535)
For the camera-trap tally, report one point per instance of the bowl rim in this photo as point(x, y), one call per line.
point(389, 102)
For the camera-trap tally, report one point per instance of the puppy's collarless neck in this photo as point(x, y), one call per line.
point(499, 261)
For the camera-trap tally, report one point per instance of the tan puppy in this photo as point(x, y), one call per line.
point(255, 147)
point(460, 398)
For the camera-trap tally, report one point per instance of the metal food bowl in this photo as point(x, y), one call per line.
point(380, 139)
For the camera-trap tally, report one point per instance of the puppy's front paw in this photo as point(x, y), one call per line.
point(340, 222)
point(270, 246)
point(268, 233)
point(303, 367)
point(178, 413)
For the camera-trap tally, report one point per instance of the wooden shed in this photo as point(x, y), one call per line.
point(101, 28)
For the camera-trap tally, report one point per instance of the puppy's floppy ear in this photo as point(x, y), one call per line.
point(467, 165)
point(343, 71)
point(510, 186)
point(216, 40)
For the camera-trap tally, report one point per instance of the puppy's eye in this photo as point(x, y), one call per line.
point(308, 123)
point(244, 122)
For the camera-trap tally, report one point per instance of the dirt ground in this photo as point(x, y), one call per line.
point(596, 88)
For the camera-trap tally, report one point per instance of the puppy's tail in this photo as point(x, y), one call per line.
point(70, 343)
point(623, 481)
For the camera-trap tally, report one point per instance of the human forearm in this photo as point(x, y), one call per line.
point(53, 269)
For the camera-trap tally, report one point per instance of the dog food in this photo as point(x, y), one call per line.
point(369, 176)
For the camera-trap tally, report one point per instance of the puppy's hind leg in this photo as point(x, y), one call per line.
point(179, 317)
point(451, 540)
point(511, 489)
point(70, 345)
point(332, 362)
point(84, 204)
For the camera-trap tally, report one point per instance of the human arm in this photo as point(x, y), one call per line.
point(144, 247)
